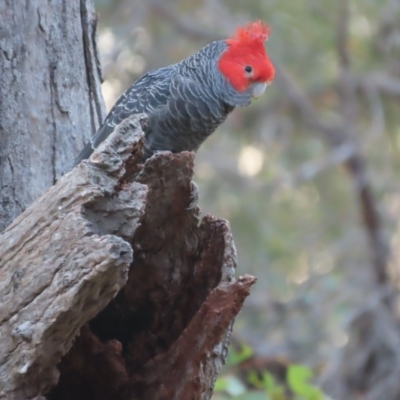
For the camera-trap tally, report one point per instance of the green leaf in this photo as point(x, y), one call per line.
point(221, 384)
point(236, 357)
point(298, 377)
point(259, 382)
point(269, 382)
point(253, 395)
point(230, 384)
point(254, 379)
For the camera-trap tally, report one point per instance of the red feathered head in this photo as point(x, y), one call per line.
point(245, 62)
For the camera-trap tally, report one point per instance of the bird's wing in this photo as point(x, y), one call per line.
point(147, 94)
point(189, 115)
point(150, 92)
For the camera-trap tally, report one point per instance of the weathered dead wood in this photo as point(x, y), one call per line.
point(165, 335)
point(59, 267)
point(177, 374)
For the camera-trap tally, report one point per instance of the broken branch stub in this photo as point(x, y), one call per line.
point(60, 264)
point(165, 334)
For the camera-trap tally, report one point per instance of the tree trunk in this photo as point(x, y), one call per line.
point(166, 333)
point(111, 227)
point(50, 95)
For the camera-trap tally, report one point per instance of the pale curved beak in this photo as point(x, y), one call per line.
point(258, 89)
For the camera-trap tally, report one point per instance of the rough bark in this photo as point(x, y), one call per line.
point(50, 95)
point(59, 268)
point(165, 334)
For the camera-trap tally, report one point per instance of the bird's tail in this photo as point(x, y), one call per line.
point(84, 154)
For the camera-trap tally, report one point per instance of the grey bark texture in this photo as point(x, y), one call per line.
point(57, 271)
point(50, 95)
point(112, 226)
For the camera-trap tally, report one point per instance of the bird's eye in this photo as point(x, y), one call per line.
point(248, 69)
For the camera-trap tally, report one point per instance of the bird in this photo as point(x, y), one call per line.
point(185, 102)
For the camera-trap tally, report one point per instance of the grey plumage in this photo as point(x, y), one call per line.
point(185, 103)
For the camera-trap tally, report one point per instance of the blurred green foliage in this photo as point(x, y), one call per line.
point(264, 386)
